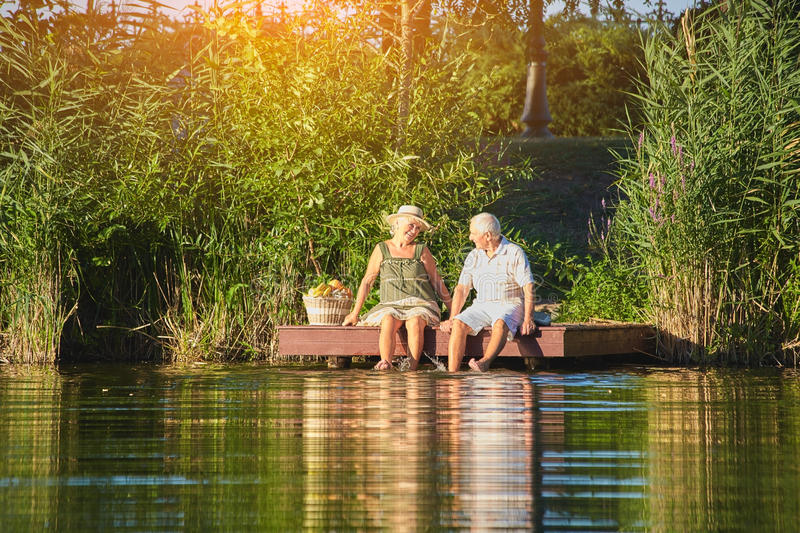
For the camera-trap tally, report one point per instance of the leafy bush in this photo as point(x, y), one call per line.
point(592, 68)
point(498, 59)
point(605, 291)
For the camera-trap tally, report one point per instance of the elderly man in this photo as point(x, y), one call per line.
point(500, 273)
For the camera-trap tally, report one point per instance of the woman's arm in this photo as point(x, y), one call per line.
point(436, 280)
point(373, 269)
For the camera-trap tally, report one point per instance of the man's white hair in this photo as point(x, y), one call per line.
point(486, 223)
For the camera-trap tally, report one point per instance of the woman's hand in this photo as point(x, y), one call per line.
point(444, 326)
point(351, 319)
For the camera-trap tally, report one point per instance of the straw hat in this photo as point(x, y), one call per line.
point(409, 211)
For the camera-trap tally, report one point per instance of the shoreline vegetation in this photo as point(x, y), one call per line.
point(168, 191)
point(708, 219)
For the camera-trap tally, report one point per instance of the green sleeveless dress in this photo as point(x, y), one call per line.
point(405, 290)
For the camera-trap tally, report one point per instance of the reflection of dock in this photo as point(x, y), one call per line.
point(556, 341)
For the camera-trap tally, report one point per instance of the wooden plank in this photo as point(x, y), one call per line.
point(363, 340)
point(561, 340)
point(608, 339)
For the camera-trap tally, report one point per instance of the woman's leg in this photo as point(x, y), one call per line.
point(386, 343)
point(415, 326)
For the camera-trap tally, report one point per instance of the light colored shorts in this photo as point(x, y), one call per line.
point(482, 314)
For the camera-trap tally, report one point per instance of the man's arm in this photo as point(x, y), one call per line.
point(528, 327)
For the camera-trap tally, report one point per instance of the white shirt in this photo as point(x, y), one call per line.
point(499, 278)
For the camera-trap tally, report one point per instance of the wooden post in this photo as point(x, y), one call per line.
point(537, 363)
point(339, 362)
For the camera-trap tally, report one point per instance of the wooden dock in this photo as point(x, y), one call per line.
point(555, 341)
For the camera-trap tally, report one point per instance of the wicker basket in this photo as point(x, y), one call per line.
point(327, 311)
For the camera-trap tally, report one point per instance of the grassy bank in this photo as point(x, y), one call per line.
point(572, 177)
point(167, 190)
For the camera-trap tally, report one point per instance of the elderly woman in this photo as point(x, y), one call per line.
point(409, 284)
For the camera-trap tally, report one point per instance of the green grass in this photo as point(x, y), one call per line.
point(571, 176)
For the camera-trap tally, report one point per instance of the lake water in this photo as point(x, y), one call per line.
point(248, 447)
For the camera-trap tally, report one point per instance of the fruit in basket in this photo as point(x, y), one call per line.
point(334, 289)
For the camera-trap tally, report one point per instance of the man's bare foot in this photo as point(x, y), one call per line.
point(478, 366)
point(383, 364)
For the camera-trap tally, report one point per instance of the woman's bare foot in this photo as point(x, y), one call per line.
point(383, 364)
point(478, 366)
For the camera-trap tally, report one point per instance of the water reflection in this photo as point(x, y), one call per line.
point(410, 452)
point(490, 438)
point(723, 450)
point(286, 449)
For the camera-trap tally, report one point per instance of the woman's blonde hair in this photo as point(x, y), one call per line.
point(396, 224)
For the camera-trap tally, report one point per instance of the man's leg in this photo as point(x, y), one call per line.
point(496, 343)
point(457, 344)
point(415, 326)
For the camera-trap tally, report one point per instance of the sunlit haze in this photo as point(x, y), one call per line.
point(271, 6)
point(674, 6)
point(267, 7)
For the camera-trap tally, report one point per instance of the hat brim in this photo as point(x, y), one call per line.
point(424, 226)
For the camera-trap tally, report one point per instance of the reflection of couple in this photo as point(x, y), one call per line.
point(497, 269)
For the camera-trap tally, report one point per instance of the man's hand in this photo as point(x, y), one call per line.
point(528, 327)
point(445, 326)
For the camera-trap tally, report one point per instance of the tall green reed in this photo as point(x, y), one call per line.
point(710, 215)
point(37, 269)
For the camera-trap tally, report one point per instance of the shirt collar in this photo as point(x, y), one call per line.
point(502, 248)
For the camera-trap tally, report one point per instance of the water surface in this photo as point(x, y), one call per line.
point(252, 447)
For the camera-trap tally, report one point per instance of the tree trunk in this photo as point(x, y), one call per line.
point(406, 73)
point(387, 21)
